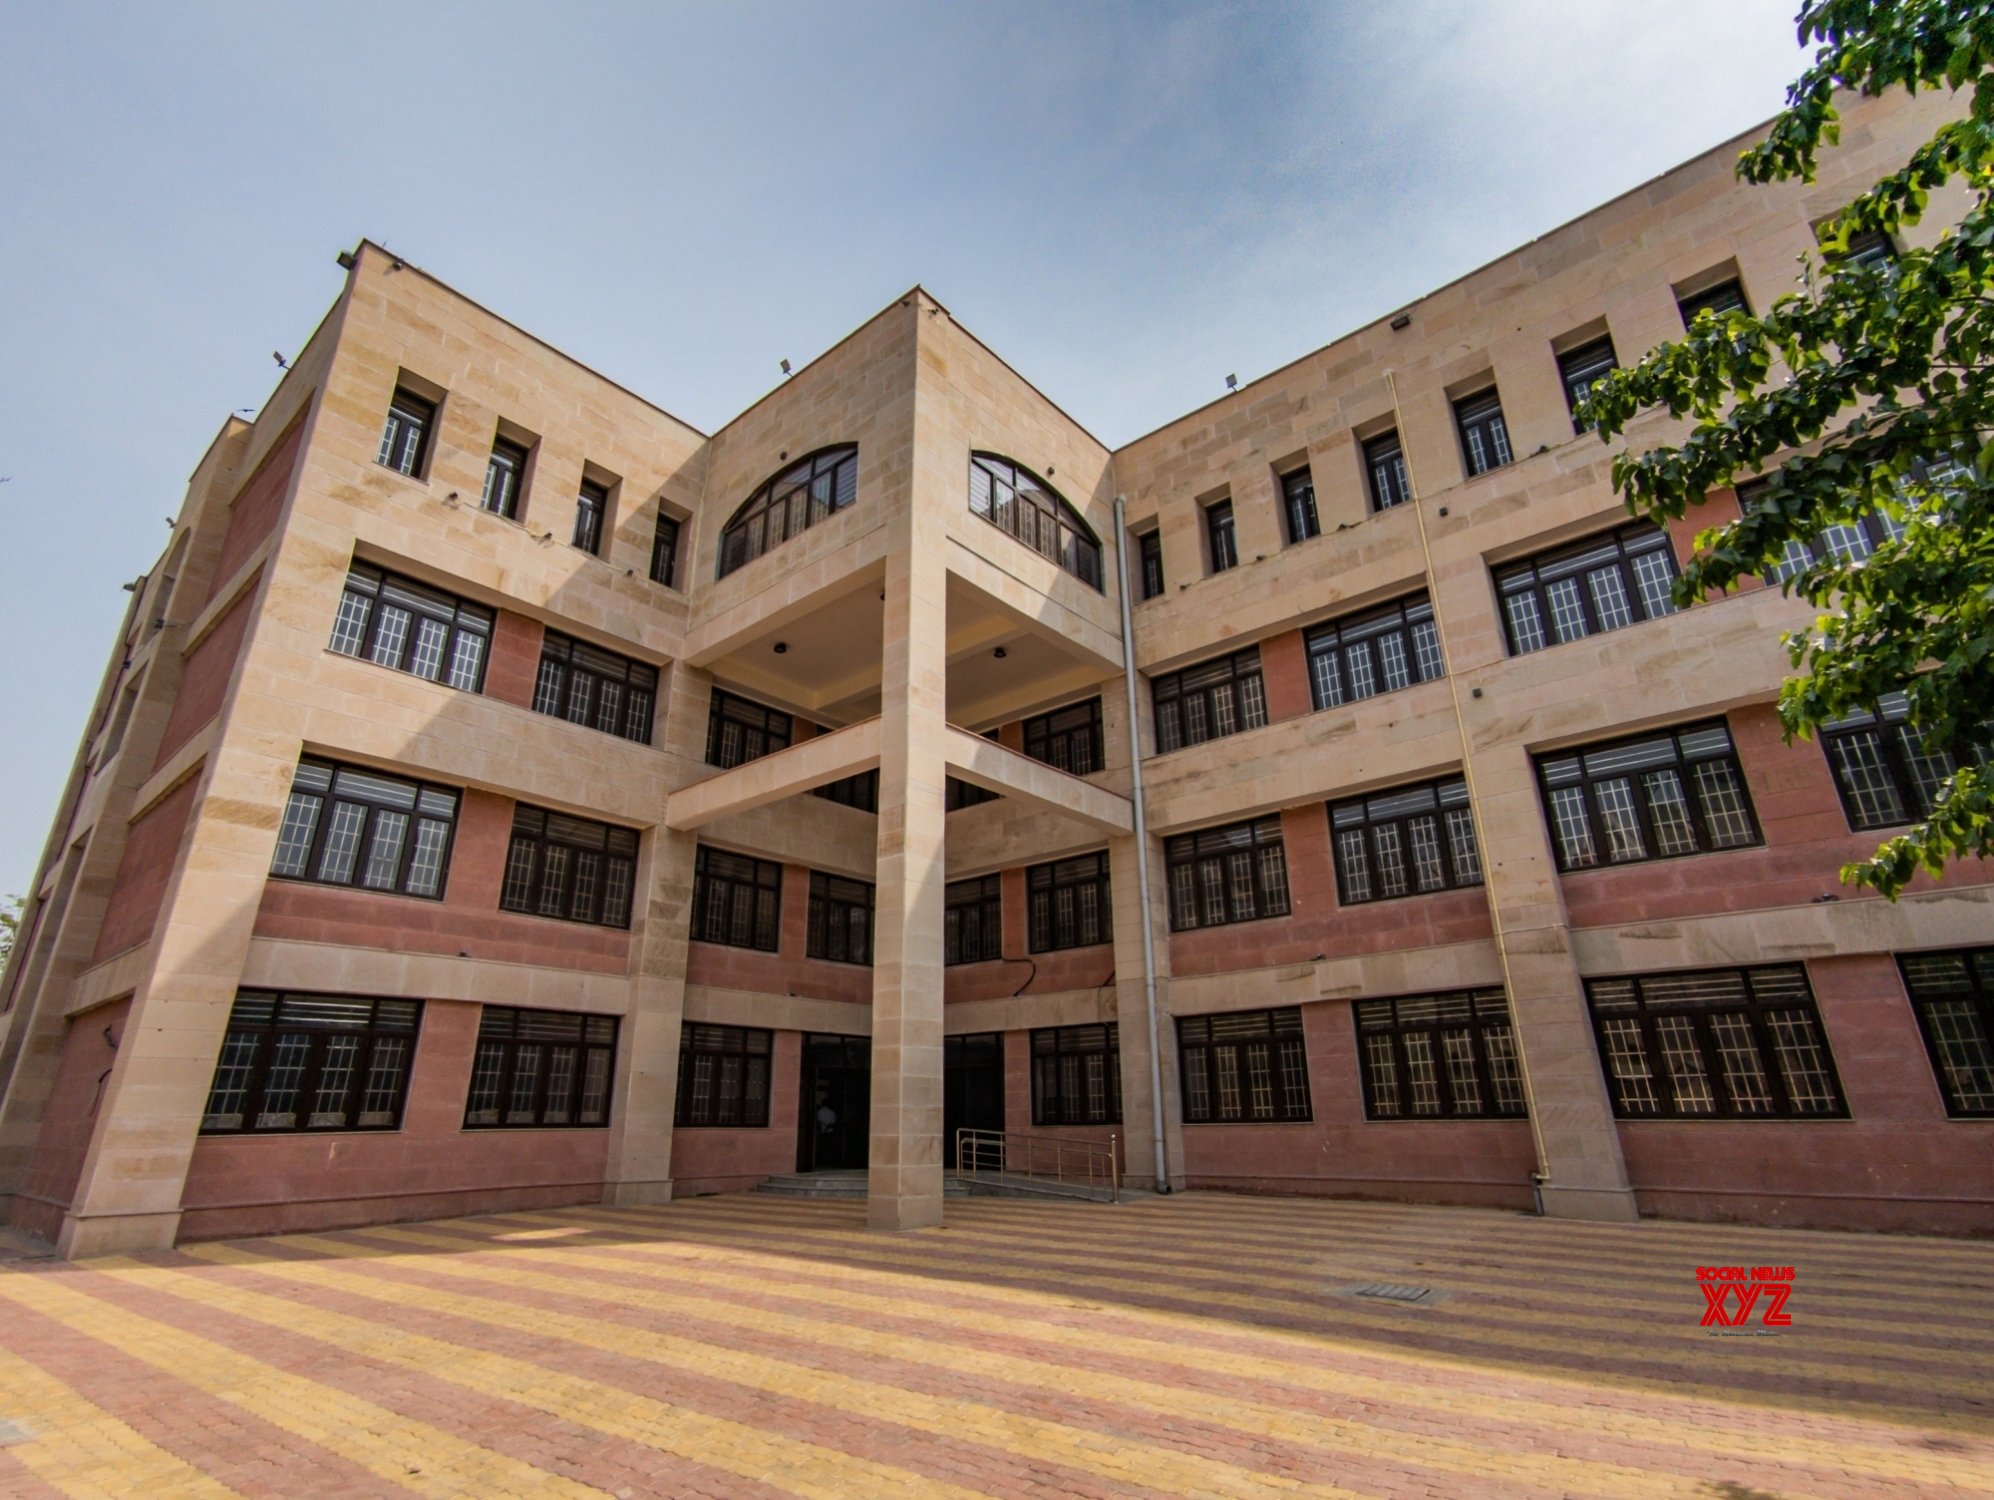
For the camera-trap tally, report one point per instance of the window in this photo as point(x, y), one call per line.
point(1847, 541)
point(1379, 651)
point(398, 623)
point(1222, 544)
point(973, 921)
point(1384, 468)
point(840, 919)
point(1067, 739)
point(1953, 994)
point(736, 900)
point(959, 794)
point(809, 491)
point(1439, 1057)
point(348, 826)
point(1870, 248)
point(1655, 796)
point(1077, 1075)
point(1018, 502)
point(405, 438)
point(738, 731)
point(598, 689)
point(1885, 774)
point(860, 791)
point(591, 507)
point(540, 1068)
point(311, 1062)
point(505, 472)
point(1724, 297)
point(1405, 842)
point(665, 551)
point(724, 1076)
point(1715, 1044)
point(1210, 701)
point(1298, 501)
point(1150, 546)
point(572, 869)
point(1484, 436)
point(1599, 584)
point(1583, 368)
point(1068, 905)
point(1250, 1065)
point(1233, 874)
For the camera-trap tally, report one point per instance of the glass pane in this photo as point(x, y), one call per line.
point(384, 854)
point(335, 1080)
point(426, 660)
point(1627, 1062)
point(1689, 1082)
point(1722, 796)
point(1965, 1053)
point(294, 839)
point(342, 843)
point(1615, 800)
point(1668, 806)
point(280, 1088)
point(1738, 1056)
point(1803, 1063)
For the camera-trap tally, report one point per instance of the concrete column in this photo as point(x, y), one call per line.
point(1574, 1118)
point(905, 1161)
point(1131, 1014)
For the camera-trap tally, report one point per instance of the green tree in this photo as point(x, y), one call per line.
point(10, 926)
point(1867, 393)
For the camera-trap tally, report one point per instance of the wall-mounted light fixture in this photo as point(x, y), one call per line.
point(781, 647)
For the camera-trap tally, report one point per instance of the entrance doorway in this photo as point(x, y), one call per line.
point(835, 1120)
point(972, 1086)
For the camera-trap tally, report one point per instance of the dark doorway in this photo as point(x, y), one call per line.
point(972, 1086)
point(836, 1114)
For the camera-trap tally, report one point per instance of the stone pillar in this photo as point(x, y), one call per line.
point(639, 1167)
point(1131, 1015)
point(1574, 1118)
point(905, 1160)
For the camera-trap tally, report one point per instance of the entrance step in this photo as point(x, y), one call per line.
point(837, 1185)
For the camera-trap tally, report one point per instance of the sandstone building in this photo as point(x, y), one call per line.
point(503, 794)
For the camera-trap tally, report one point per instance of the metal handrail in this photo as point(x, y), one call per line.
point(1016, 1153)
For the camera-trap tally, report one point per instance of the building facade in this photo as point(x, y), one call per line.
point(504, 795)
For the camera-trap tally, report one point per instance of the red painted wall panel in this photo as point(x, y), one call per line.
point(151, 847)
point(205, 682)
point(515, 660)
point(69, 1118)
point(788, 971)
point(466, 920)
point(1284, 669)
point(254, 510)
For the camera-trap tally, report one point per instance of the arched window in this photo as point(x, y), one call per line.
point(1019, 502)
point(808, 491)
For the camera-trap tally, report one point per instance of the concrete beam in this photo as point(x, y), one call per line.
point(814, 763)
point(989, 765)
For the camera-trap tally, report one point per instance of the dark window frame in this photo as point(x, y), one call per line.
point(391, 1025)
point(750, 718)
point(958, 794)
point(573, 684)
point(860, 791)
point(1052, 738)
point(1035, 515)
point(1396, 644)
point(1221, 537)
point(1049, 929)
point(1069, 1087)
point(841, 920)
point(367, 605)
point(741, 1091)
point(736, 900)
point(1384, 826)
point(813, 489)
point(408, 414)
point(1149, 555)
point(1972, 988)
point(1582, 367)
point(1485, 1082)
point(1721, 297)
point(1484, 432)
point(1386, 478)
point(545, 859)
point(1201, 1079)
point(665, 550)
point(1530, 590)
point(509, 1033)
point(1560, 770)
point(1895, 750)
point(1630, 1014)
point(1298, 505)
point(1227, 689)
point(591, 517)
point(1209, 903)
point(984, 896)
point(323, 782)
point(505, 478)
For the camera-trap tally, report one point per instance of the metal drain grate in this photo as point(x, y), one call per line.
point(1393, 1291)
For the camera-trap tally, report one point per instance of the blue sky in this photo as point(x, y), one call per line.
point(1126, 201)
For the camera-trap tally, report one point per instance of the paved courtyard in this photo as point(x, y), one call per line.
point(1203, 1345)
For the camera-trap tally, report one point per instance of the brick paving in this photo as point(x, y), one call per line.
point(1202, 1345)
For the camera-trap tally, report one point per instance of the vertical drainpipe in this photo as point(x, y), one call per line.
point(1141, 852)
